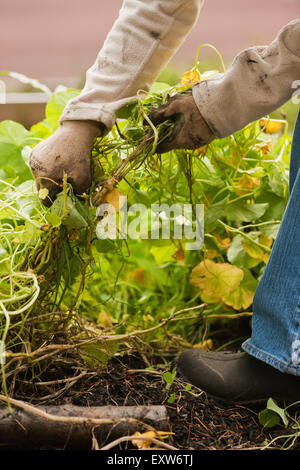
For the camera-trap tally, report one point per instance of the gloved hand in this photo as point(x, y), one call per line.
point(190, 130)
point(68, 151)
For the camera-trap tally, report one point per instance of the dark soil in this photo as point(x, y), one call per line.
point(197, 421)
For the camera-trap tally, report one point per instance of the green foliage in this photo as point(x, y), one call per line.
point(53, 263)
point(272, 415)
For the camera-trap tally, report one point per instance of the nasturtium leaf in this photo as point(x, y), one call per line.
point(33, 82)
point(57, 104)
point(268, 418)
point(168, 377)
point(13, 138)
point(273, 406)
point(163, 254)
point(243, 212)
point(41, 130)
point(159, 87)
point(14, 133)
point(72, 218)
point(216, 279)
point(104, 246)
point(53, 219)
point(276, 207)
point(271, 230)
point(125, 111)
point(140, 197)
point(242, 297)
point(278, 180)
point(256, 251)
point(212, 214)
point(265, 240)
point(238, 256)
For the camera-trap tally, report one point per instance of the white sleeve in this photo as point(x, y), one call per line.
point(259, 81)
point(143, 39)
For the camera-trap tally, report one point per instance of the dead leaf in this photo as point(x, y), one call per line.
point(139, 275)
point(179, 255)
point(255, 251)
point(146, 444)
point(207, 345)
point(222, 242)
point(211, 254)
point(115, 198)
point(201, 151)
point(246, 184)
point(264, 147)
point(105, 319)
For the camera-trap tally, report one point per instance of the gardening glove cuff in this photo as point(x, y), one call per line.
point(260, 80)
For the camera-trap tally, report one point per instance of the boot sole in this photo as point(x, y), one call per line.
point(257, 403)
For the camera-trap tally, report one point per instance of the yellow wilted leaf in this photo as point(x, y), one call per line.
point(115, 198)
point(207, 345)
point(239, 299)
point(216, 280)
point(242, 297)
point(43, 193)
point(139, 275)
point(209, 299)
point(246, 184)
point(270, 126)
point(264, 147)
point(266, 241)
point(191, 77)
point(179, 255)
point(211, 254)
point(146, 443)
point(223, 242)
point(105, 319)
point(255, 251)
point(201, 151)
point(73, 234)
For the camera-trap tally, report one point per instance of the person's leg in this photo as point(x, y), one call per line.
point(295, 154)
point(275, 335)
point(270, 365)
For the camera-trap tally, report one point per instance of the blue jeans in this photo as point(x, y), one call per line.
point(275, 335)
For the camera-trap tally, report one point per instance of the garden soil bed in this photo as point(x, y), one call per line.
point(196, 421)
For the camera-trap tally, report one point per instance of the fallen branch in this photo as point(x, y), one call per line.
point(69, 426)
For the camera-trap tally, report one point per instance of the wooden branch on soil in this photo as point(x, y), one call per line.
point(73, 427)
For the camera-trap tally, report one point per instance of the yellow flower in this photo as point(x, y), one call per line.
point(270, 126)
point(191, 77)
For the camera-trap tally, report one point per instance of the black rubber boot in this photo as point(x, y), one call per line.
point(237, 377)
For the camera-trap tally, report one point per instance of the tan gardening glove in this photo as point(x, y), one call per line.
point(68, 151)
point(190, 130)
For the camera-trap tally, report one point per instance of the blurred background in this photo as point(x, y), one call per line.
point(56, 41)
